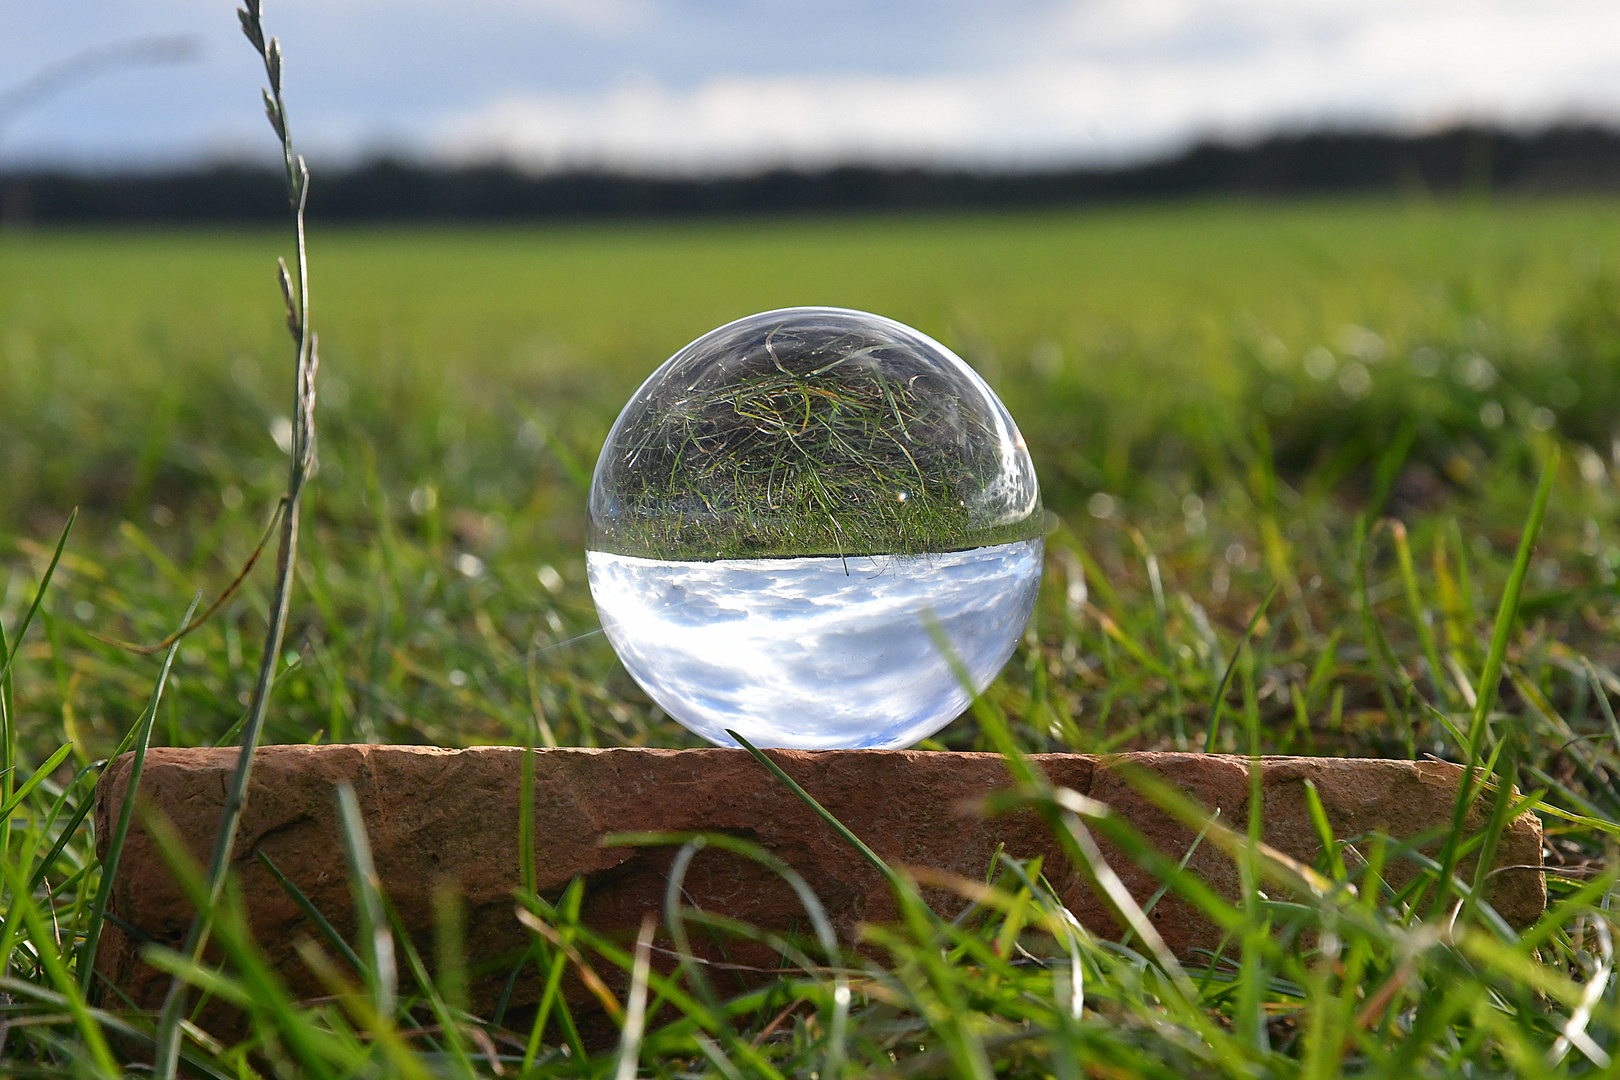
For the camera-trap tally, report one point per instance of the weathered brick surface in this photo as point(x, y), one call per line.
point(436, 815)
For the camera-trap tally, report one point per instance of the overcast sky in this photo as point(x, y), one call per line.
point(718, 84)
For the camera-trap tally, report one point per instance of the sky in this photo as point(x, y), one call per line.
point(702, 86)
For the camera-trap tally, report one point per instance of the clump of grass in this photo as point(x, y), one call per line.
point(809, 434)
point(1152, 607)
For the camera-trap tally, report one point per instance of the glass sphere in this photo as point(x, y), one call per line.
point(816, 527)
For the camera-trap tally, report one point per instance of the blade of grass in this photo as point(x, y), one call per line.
point(211, 981)
point(569, 906)
point(694, 1011)
point(316, 1052)
point(1252, 968)
point(34, 780)
point(108, 1021)
point(126, 811)
point(822, 812)
point(1491, 676)
point(449, 1023)
point(235, 729)
point(838, 1020)
point(402, 1062)
point(1218, 704)
point(449, 945)
point(1164, 887)
point(1449, 595)
point(1387, 669)
point(1388, 469)
point(86, 804)
point(1150, 562)
point(1067, 813)
point(65, 834)
point(1420, 615)
point(1507, 778)
point(1324, 831)
point(7, 658)
point(635, 1010)
point(312, 913)
point(45, 948)
point(1602, 695)
point(376, 942)
point(1465, 591)
point(526, 873)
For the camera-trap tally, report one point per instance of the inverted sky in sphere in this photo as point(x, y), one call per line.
point(817, 653)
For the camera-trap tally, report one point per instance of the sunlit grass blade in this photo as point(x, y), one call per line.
point(1491, 675)
point(376, 942)
point(35, 779)
point(1420, 614)
point(449, 1022)
point(551, 997)
point(635, 1014)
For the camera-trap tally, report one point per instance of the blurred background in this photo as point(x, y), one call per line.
point(492, 108)
point(1245, 271)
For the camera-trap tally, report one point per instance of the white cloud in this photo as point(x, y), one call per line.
point(727, 121)
point(615, 16)
point(1099, 79)
point(714, 84)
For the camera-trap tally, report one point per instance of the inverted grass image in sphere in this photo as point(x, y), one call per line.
point(808, 526)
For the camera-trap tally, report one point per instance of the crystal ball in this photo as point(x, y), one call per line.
point(816, 527)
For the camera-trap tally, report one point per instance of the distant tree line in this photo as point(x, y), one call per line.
point(1458, 160)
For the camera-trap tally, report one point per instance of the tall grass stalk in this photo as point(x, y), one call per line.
point(295, 293)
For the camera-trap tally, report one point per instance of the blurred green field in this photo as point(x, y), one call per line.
point(1347, 402)
point(468, 377)
point(149, 352)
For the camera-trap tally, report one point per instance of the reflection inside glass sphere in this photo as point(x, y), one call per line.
point(813, 526)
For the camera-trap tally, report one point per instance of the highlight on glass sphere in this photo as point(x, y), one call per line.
point(807, 526)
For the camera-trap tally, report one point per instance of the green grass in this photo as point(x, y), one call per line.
point(809, 435)
point(1349, 401)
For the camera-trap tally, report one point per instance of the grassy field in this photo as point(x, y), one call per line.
point(1349, 401)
